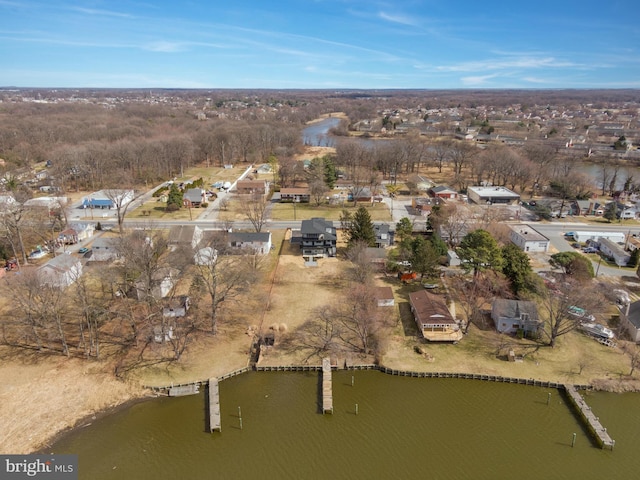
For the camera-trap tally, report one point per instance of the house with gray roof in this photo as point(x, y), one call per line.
point(384, 235)
point(194, 197)
point(104, 249)
point(185, 235)
point(60, 271)
point(514, 316)
point(630, 319)
point(256, 242)
point(318, 238)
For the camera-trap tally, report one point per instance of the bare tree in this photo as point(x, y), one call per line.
point(255, 209)
point(121, 201)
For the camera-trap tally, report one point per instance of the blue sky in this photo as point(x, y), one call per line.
point(320, 44)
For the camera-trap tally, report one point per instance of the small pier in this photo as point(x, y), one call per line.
point(182, 390)
point(214, 406)
point(327, 388)
point(593, 423)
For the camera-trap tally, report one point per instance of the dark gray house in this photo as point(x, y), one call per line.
point(318, 239)
point(513, 316)
point(384, 235)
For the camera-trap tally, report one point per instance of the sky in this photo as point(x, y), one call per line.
point(320, 44)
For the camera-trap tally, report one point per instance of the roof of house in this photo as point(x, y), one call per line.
point(251, 184)
point(182, 234)
point(634, 314)
point(443, 189)
point(61, 263)
point(430, 308)
point(261, 237)
point(104, 242)
point(507, 308)
point(318, 225)
point(381, 228)
point(494, 192)
point(294, 191)
point(383, 293)
point(193, 194)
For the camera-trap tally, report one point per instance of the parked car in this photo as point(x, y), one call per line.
point(83, 250)
point(576, 245)
point(569, 234)
point(581, 313)
point(590, 250)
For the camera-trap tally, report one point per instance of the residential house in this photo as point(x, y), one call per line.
point(360, 195)
point(194, 197)
point(442, 191)
point(318, 238)
point(252, 187)
point(492, 195)
point(615, 251)
point(384, 296)
point(84, 230)
point(424, 205)
point(160, 285)
point(514, 316)
point(384, 235)
point(630, 320)
point(295, 195)
point(184, 236)
point(60, 271)
point(104, 249)
point(376, 255)
point(68, 236)
point(433, 318)
point(629, 213)
point(528, 239)
point(176, 307)
point(585, 207)
point(257, 242)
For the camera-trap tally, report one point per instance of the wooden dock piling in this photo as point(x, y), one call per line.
point(327, 389)
point(593, 423)
point(214, 406)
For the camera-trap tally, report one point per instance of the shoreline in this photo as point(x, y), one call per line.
point(598, 385)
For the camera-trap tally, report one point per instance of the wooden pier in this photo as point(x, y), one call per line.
point(182, 390)
point(327, 388)
point(593, 423)
point(214, 406)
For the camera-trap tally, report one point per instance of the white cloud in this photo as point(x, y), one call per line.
point(401, 19)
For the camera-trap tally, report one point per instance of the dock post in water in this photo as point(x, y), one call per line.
point(214, 406)
point(327, 389)
point(593, 422)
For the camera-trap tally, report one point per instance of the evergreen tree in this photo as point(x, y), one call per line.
point(611, 211)
point(174, 198)
point(330, 172)
point(516, 267)
point(360, 228)
point(479, 251)
point(424, 258)
point(404, 228)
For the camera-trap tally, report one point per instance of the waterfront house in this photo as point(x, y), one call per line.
point(433, 318)
point(630, 319)
point(515, 316)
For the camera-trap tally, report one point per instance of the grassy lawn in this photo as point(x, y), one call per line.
point(302, 211)
point(155, 210)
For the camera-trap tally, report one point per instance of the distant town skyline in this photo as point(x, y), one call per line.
point(320, 44)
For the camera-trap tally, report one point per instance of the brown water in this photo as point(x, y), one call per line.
point(405, 428)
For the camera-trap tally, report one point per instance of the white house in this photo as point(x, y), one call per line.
point(492, 195)
point(614, 251)
point(527, 239)
point(259, 242)
point(60, 271)
point(583, 236)
point(205, 256)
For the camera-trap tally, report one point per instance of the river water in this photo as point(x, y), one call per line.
point(405, 428)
